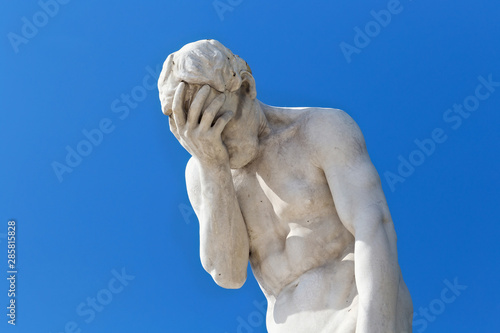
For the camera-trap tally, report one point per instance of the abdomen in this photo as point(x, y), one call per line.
point(323, 299)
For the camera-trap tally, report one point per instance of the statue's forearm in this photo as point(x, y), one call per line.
point(377, 279)
point(224, 248)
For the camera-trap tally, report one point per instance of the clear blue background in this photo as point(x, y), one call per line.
point(125, 204)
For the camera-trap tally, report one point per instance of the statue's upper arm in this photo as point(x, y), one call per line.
point(351, 176)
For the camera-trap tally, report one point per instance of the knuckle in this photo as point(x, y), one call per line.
point(187, 132)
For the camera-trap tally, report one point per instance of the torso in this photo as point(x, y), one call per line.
point(300, 252)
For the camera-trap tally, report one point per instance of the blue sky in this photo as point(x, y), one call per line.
point(113, 225)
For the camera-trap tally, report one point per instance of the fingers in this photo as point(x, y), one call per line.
point(196, 105)
point(210, 112)
point(173, 127)
point(177, 106)
point(222, 121)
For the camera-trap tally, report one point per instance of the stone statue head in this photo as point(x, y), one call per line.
point(208, 62)
point(199, 63)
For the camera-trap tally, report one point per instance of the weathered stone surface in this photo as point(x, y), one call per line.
point(292, 190)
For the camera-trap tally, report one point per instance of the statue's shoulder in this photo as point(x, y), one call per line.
point(309, 116)
point(319, 129)
point(331, 132)
point(330, 123)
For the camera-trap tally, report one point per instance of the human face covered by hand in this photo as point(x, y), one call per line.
point(198, 119)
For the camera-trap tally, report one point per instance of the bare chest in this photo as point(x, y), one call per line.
point(281, 188)
point(283, 195)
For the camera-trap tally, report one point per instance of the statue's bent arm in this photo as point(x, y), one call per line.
point(362, 208)
point(224, 245)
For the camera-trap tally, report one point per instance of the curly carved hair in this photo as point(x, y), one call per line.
point(199, 63)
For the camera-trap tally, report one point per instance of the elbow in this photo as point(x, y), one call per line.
point(230, 282)
point(369, 221)
point(226, 277)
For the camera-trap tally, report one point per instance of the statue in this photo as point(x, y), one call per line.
point(293, 191)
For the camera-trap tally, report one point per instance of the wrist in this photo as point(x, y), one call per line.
point(214, 164)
